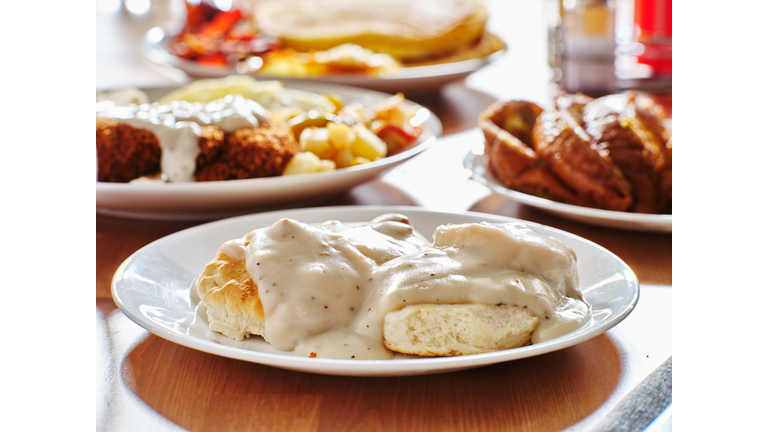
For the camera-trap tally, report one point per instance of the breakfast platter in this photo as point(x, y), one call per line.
point(215, 199)
point(604, 161)
point(154, 289)
point(154, 48)
point(398, 46)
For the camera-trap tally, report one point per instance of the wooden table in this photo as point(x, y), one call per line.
point(148, 383)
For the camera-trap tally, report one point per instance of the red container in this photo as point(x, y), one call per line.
point(653, 28)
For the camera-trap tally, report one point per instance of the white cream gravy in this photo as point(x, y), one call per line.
point(326, 287)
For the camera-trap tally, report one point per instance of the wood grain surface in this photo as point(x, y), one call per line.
point(148, 383)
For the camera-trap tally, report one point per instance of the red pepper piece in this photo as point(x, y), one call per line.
point(220, 24)
point(217, 59)
point(396, 137)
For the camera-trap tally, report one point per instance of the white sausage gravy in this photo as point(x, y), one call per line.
point(326, 287)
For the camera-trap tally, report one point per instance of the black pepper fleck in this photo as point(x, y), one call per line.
point(499, 304)
point(432, 274)
point(351, 308)
point(547, 317)
point(353, 356)
point(326, 307)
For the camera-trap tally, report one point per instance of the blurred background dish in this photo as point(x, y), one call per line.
point(216, 199)
point(407, 79)
point(383, 45)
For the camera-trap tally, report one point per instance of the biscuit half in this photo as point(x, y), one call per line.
point(231, 298)
point(461, 329)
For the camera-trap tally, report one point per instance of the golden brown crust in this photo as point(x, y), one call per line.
point(508, 127)
point(614, 137)
point(611, 153)
point(125, 152)
point(211, 144)
point(631, 134)
point(232, 298)
point(261, 151)
point(566, 148)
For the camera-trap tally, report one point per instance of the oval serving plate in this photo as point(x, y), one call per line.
point(214, 200)
point(152, 287)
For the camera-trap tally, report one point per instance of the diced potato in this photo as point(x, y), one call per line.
point(367, 144)
point(340, 135)
point(303, 163)
point(327, 165)
point(357, 160)
point(315, 140)
point(344, 158)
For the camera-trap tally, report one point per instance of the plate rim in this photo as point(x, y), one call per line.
point(340, 367)
point(474, 161)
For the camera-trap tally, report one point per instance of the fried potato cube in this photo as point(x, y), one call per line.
point(344, 158)
point(367, 144)
point(357, 160)
point(326, 165)
point(307, 162)
point(315, 140)
point(340, 135)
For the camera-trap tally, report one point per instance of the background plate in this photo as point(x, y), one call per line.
point(477, 163)
point(214, 200)
point(152, 287)
point(154, 48)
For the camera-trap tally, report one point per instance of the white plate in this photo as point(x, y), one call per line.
point(477, 163)
point(152, 287)
point(214, 200)
point(410, 79)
